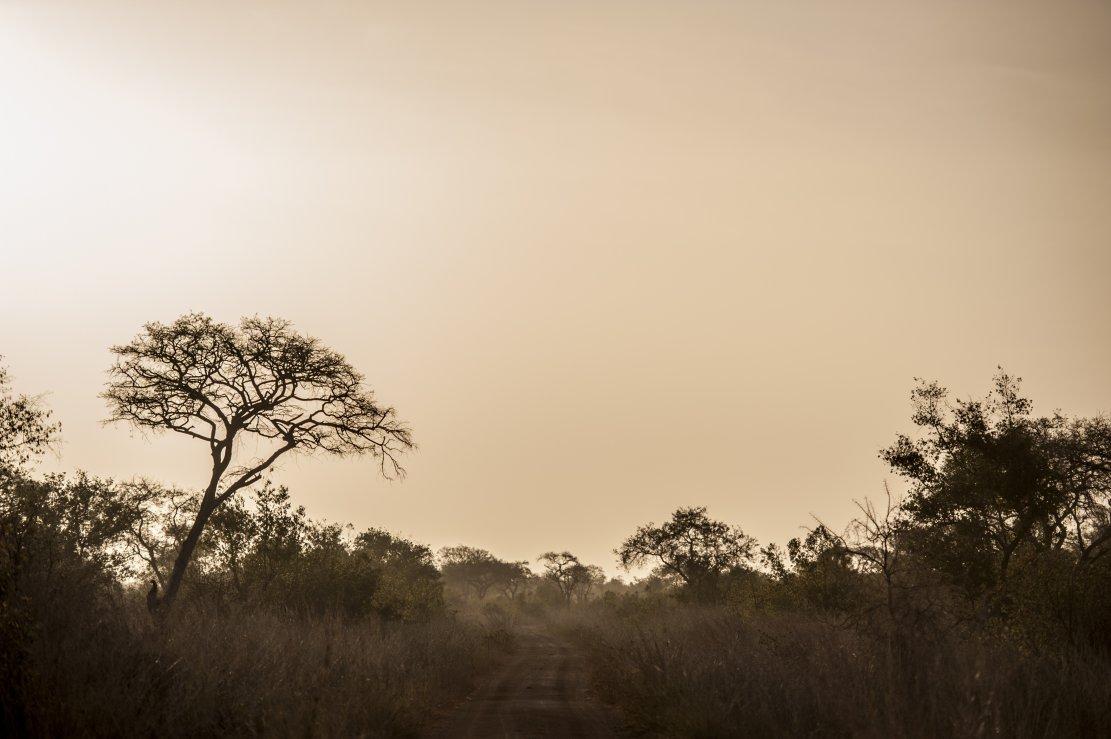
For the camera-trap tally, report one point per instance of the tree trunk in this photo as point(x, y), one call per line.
point(221, 458)
point(208, 505)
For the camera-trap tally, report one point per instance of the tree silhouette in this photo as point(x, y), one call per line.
point(471, 568)
point(691, 547)
point(25, 427)
point(585, 579)
point(989, 480)
point(219, 384)
point(564, 569)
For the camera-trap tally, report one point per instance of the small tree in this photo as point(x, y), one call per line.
point(408, 584)
point(585, 579)
point(220, 384)
point(514, 577)
point(564, 570)
point(691, 547)
point(26, 430)
point(872, 540)
point(470, 568)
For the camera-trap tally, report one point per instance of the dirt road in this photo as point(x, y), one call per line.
point(542, 691)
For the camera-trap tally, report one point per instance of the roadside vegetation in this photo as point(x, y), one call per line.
point(980, 605)
point(136, 609)
point(284, 626)
point(977, 605)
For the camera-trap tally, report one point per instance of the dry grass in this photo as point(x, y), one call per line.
point(247, 675)
point(705, 673)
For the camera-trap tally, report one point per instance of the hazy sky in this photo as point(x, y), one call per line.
point(607, 258)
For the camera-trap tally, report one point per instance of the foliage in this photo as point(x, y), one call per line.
point(476, 571)
point(998, 494)
point(691, 547)
point(25, 426)
point(564, 571)
point(989, 479)
point(288, 626)
point(264, 552)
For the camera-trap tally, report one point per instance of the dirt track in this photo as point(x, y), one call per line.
point(542, 691)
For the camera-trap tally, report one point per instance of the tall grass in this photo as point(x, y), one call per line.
point(246, 674)
point(704, 672)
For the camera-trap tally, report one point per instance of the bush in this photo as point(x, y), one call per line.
point(341, 639)
point(686, 671)
point(246, 674)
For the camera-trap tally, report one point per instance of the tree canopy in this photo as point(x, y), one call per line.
point(691, 547)
point(988, 478)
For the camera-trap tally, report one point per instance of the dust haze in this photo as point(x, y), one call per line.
point(464, 320)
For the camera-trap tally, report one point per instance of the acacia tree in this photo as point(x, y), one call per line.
point(565, 570)
point(262, 380)
point(471, 568)
point(480, 571)
point(691, 547)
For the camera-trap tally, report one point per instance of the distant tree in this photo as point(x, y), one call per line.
point(691, 547)
point(514, 578)
point(615, 586)
point(822, 576)
point(219, 384)
point(470, 569)
point(585, 579)
point(479, 571)
point(26, 430)
point(408, 584)
point(564, 570)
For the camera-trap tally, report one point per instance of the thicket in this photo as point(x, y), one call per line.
point(284, 625)
point(979, 604)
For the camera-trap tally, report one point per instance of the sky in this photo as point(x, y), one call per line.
point(606, 258)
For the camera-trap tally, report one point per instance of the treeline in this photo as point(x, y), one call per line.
point(1006, 521)
point(83, 533)
point(978, 604)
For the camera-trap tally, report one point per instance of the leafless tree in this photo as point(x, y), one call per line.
point(220, 384)
point(872, 541)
